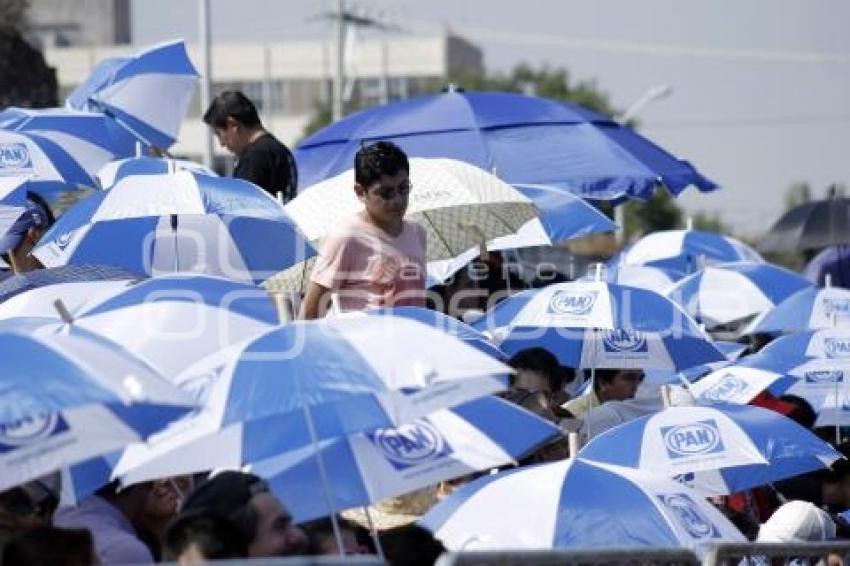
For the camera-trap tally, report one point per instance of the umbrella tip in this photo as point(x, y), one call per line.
point(63, 311)
point(453, 87)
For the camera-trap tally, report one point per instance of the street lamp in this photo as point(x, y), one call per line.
point(651, 94)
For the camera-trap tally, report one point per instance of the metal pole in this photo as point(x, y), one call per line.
point(385, 73)
point(340, 55)
point(206, 75)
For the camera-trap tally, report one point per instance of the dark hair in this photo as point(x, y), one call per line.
point(410, 545)
point(42, 202)
point(48, 546)
point(215, 536)
point(229, 495)
point(323, 529)
point(803, 412)
point(544, 361)
point(381, 158)
point(231, 104)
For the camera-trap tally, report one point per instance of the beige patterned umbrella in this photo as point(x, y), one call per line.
point(459, 205)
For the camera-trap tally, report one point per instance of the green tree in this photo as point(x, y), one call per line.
point(797, 194)
point(658, 213)
point(709, 223)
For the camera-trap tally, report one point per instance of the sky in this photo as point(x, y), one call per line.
point(760, 88)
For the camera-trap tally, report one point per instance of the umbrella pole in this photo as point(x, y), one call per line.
point(176, 245)
point(320, 462)
point(835, 382)
point(374, 532)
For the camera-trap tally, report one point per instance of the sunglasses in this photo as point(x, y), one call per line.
point(389, 193)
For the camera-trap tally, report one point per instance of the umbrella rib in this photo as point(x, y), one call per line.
point(437, 233)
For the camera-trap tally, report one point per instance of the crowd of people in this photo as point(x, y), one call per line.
point(375, 259)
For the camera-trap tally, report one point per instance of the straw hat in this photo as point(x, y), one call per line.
point(395, 511)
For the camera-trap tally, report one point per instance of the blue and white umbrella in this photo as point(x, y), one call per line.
point(114, 171)
point(717, 450)
point(42, 160)
point(67, 395)
point(370, 467)
point(657, 279)
point(810, 308)
point(183, 222)
point(147, 93)
point(600, 325)
point(683, 250)
point(576, 504)
point(172, 321)
point(729, 292)
point(310, 381)
point(448, 324)
point(738, 384)
point(75, 296)
point(92, 138)
point(23, 282)
point(13, 198)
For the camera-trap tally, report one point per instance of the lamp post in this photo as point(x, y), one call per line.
point(651, 94)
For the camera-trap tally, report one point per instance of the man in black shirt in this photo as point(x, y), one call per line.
point(260, 157)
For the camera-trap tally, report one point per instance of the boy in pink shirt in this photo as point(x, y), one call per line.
point(376, 258)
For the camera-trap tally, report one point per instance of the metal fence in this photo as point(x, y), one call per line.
point(624, 557)
point(777, 553)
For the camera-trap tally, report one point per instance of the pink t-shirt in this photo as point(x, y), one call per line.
point(368, 268)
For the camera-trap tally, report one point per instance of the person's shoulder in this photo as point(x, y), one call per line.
point(268, 142)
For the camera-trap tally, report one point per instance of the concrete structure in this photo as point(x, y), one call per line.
point(287, 79)
point(66, 23)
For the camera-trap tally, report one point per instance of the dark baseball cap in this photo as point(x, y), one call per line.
point(225, 493)
point(34, 216)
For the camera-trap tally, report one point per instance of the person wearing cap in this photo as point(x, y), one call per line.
point(16, 243)
point(260, 520)
point(798, 521)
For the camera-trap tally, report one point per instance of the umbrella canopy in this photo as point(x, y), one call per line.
point(683, 250)
point(448, 324)
point(600, 325)
point(563, 217)
point(831, 266)
point(92, 138)
point(147, 93)
point(738, 384)
point(657, 279)
point(811, 225)
point(114, 171)
point(75, 296)
point(43, 160)
point(524, 139)
point(809, 308)
point(369, 467)
point(172, 321)
point(576, 504)
point(180, 222)
point(23, 282)
point(13, 200)
point(67, 395)
point(319, 379)
point(459, 205)
point(728, 292)
point(717, 450)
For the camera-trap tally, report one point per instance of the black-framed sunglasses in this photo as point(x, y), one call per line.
point(389, 193)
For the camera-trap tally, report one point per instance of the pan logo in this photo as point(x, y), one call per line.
point(835, 306)
point(624, 340)
point(727, 388)
point(14, 156)
point(695, 439)
point(692, 519)
point(836, 348)
point(572, 302)
point(29, 430)
point(824, 376)
point(411, 445)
